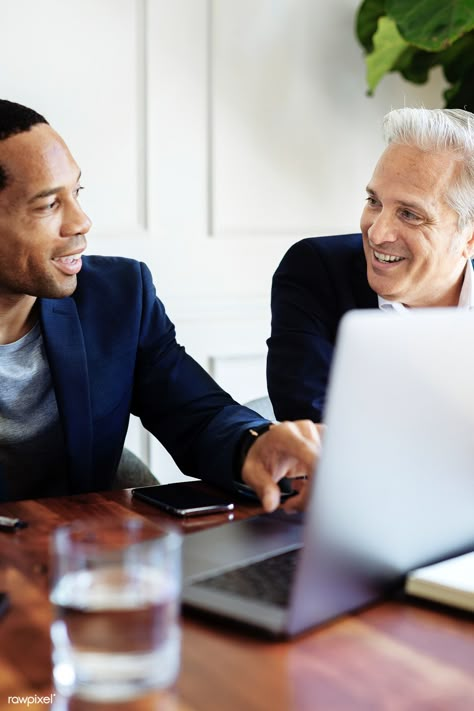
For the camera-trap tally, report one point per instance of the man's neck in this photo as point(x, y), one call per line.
point(17, 316)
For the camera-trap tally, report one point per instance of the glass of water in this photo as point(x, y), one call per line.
point(116, 595)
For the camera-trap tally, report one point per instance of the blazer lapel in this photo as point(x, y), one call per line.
point(66, 353)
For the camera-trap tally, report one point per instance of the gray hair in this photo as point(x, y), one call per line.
point(440, 130)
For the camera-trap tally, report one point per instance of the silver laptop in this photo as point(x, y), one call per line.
point(394, 489)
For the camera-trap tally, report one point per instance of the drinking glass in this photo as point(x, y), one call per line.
point(116, 592)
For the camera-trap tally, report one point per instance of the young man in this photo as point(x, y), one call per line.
point(84, 342)
point(414, 251)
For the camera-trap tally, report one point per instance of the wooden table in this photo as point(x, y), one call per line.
point(394, 656)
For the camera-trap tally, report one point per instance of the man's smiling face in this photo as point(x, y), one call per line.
point(42, 226)
point(414, 250)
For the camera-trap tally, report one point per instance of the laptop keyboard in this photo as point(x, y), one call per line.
point(268, 580)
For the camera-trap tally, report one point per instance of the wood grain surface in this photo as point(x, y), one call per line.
point(394, 656)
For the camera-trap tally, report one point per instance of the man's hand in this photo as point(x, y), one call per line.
point(288, 449)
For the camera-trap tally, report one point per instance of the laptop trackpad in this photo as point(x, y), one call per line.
point(240, 542)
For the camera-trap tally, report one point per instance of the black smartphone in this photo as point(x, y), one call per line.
point(286, 490)
point(181, 500)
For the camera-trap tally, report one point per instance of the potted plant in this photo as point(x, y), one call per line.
point(412, 36)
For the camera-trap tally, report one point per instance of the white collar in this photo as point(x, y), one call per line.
point(466, 297)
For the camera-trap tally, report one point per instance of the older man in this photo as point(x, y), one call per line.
point(414, 251)
point(84, 342)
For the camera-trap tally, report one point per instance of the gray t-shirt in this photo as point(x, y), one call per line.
point(32, 450)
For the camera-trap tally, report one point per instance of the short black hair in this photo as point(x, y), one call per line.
point(15, 118)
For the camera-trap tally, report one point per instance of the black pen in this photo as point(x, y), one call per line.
point(11, 524)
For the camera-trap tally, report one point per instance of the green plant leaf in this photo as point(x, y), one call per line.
point(431, 24)
point(458, 60)
point(366, 22)
point(414, 64)
point(461, 94)
point(388, 47)
point(458, 67)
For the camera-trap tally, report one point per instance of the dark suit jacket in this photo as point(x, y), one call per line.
point(318, 280)
point(112, 352)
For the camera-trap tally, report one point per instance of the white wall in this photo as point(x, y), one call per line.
point(212, 134)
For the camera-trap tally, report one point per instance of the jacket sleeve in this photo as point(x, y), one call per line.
point(304, 325)
point(199, 424)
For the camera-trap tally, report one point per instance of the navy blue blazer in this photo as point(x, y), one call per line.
point(112, 351)
point(318, 280)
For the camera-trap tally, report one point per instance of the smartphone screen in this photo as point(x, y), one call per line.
point(181, 500)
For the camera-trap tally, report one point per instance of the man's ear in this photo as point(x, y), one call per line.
point(468, 250)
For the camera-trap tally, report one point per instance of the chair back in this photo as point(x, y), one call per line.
point(132, 472)
point(263, 406)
